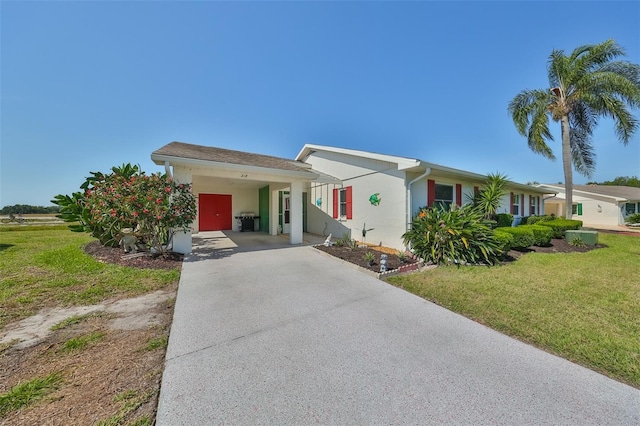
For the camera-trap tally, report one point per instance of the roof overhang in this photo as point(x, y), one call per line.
point(231, 170)
point(581, 193)
point(402, 162)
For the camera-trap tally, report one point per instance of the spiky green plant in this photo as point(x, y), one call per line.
point(457, 235)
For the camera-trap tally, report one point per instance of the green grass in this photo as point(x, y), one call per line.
point(26, 393)
point(81, 342)
point(76, 319)
point(45, 266)
point(584, 307)
point(156, 343)
point(131, 400)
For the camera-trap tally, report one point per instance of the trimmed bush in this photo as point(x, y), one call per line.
point(532, 220)
point(559, 226)
point(503, 219)
point(522, 236)
point(458, 235)
point(542, 235)
point(634, 218)
point(504, 239)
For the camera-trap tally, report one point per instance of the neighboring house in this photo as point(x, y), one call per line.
point(325, 190)
point(595, 204)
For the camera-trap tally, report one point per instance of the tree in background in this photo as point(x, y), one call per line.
point(584, 86)
point(29, 209)
point(127, 201)
point(620, 181)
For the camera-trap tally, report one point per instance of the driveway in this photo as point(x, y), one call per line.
point(288, 335)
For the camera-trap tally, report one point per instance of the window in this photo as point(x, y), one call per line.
point(443, 195)
point(342, 205)
point(533, 210)
point(576, 209)
point(515, 204)
point(343, 202)
point(630, 208)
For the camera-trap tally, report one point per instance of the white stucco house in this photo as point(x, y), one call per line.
point(595, 205)
point(324, 190)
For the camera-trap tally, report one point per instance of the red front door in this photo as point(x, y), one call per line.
point(214, 212)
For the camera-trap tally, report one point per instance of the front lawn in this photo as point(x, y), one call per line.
point(584, 307)
point(45, 266)
point(101, 367)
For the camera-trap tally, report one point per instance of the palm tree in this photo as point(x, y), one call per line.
point(584, 86)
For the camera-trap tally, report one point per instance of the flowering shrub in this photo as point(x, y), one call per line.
point(152, 207)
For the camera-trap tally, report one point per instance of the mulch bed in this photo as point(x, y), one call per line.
point(558, 245)
point(356, 255)
point(116, 255)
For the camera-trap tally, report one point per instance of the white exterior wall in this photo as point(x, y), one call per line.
point(366, 177)
point(594, 211)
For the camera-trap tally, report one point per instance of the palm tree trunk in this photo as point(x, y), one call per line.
point(566, 164)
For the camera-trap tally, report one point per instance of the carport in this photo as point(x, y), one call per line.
point(233, 184)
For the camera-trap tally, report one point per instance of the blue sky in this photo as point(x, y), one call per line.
point(90, 85)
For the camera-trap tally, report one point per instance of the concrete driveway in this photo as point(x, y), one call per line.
point(288, 335)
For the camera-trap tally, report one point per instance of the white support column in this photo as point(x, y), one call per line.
point(295, 237)
point(273, 212)
point(182, 240)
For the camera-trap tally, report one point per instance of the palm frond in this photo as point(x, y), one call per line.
point(582, 153)
point(529, 111)
point(589, 58)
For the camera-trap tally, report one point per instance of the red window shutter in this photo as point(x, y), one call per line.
point(349, 203)
point(522, 203)
point(511, 203)
point(458, 194)
point(539, 212)
point(336, 202)
point(431, 192)
point(476, 190)
point(530, 204)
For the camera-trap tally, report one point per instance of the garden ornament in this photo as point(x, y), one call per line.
point(375, 199)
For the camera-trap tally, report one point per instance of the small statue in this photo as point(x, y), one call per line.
point(128, 240)
point(328, 242)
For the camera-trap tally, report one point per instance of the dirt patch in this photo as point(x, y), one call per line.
point(130, 314)
point(115, 377)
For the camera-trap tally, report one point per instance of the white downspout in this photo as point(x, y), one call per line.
point(409, 206)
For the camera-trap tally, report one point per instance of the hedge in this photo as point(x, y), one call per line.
point(542, 235)
point(522, 236)
point(503, 219)
point(559, 226)
point(505, 240)
point(532, 220)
